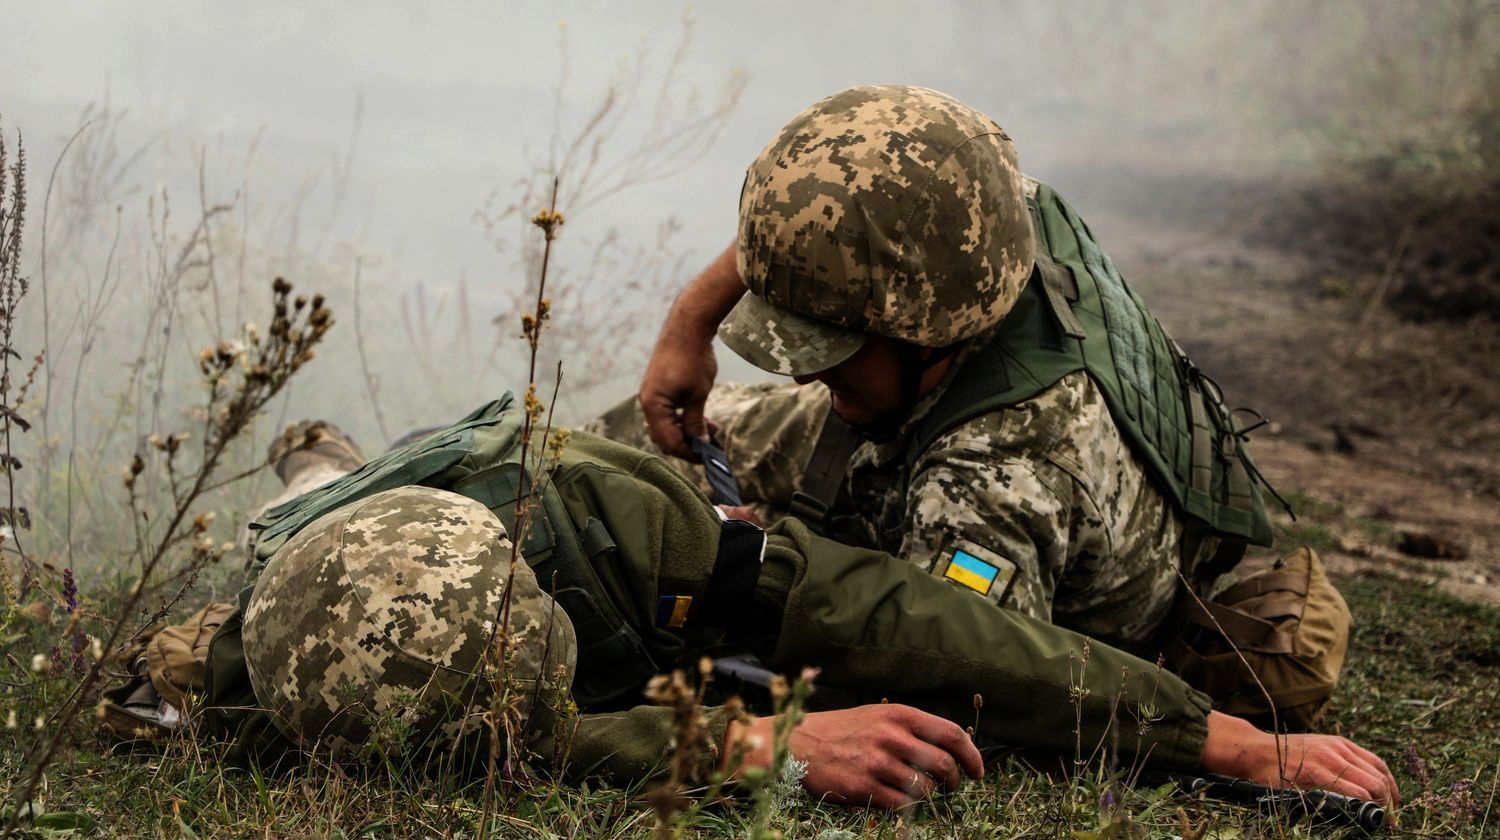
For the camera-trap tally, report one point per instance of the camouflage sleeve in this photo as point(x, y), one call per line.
point(873, 623)
point(1043, 508)
point(986, 512)
point(627, 747)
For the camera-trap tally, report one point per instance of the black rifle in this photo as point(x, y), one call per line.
point(1319, 807)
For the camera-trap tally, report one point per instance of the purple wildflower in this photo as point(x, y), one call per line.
point(1461, 803)
point(70, 590)
point(1417, 767)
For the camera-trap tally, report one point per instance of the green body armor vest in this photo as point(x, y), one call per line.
point(1076, 314)
point(479, 457)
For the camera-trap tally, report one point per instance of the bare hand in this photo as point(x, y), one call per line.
point(682, 366)
point(676, 385)
point(1329, 762)
point(885, 756)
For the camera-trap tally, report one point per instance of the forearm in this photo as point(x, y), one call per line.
point(706, 300)
point(874, 622)
point(626, 747)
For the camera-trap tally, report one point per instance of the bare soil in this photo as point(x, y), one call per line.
point(1384, 430)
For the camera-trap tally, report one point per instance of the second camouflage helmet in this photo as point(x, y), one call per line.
point(881, 209)
point(385, 607)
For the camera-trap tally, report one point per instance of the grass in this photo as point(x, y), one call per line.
point(1421, 689)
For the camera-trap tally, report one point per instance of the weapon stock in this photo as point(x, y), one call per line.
point(1319, 807)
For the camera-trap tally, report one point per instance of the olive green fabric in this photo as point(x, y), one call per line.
point(878, 625)
point(1077, 314)
point(873, 623)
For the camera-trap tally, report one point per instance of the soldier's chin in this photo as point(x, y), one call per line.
point(854, 411)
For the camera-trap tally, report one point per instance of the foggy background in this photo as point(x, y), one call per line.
point(387, 141)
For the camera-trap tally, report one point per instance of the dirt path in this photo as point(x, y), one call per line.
point(1386, 437)
point(1370, 510)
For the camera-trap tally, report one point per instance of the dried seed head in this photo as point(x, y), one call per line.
point(280, 286)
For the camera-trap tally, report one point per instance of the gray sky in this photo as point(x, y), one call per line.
point(454, 93)
point(458, 103)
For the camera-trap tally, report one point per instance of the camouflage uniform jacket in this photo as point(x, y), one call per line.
point(1046, 492)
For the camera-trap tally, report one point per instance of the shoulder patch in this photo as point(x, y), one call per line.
point(979, 569)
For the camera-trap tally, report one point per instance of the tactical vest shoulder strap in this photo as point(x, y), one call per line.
point(823, 476)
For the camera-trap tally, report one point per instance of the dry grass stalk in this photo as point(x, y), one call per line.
point(503, 711)
point(240, 378)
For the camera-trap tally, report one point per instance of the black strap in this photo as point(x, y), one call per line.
point(726, 490)
point(731, 585)
point(825, 471)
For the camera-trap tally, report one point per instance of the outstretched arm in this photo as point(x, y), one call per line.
point(1236, 748)
point(682, 366)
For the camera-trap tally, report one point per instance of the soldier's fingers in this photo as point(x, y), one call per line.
point(1344, 783)
point(888, 798)
point(933, 761)
point(951, 738)
point(662, 424)
point(693, 423)
point(1375, 764)
point(1372, 784)
point(907, 779)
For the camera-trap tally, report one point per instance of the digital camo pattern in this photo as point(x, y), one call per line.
point(767, 431)
point(1048, 485)
point(883, 209)
point(387, 605)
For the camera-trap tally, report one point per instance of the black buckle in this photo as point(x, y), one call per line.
point(810, 509)
point(726, 491)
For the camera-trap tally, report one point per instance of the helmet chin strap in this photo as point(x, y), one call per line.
point(913, 368)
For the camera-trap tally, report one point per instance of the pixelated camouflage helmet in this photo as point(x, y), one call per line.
point(881, 209)
point(385, 607)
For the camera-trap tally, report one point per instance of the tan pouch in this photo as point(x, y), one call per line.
point(175, 655)
point(1288, 623)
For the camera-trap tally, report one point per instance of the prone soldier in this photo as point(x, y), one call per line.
point(379, 591)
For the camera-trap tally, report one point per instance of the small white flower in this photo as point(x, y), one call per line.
point(40, 664)
point(10, 720)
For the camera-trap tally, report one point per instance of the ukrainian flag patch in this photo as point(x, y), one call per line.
point(967, 570)
point(672, 610)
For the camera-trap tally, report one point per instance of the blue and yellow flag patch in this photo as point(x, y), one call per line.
point(672, 610)
point(967, 570)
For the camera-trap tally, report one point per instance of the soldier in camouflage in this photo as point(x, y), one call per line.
point(382, 608)
point(885, 237)
point(907, 208)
